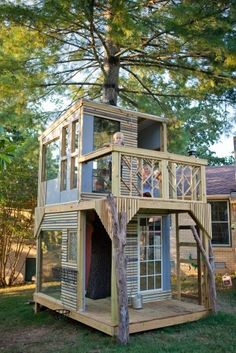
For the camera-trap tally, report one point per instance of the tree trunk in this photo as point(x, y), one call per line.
point(119, 240)
point(111, 73)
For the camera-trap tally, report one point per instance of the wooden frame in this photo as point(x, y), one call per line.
point(132, 204)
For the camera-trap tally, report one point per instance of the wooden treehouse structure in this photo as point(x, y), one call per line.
point(79, 166)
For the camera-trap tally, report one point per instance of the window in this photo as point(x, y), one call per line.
point(220, 223)
point(103, 131)
point(51, 160)
point(150, 253)
point(51, 262)
point(102, 175)
point(72, 246)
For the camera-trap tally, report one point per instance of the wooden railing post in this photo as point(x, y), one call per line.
point(203, 184)
point(116, 168)
point(165, 179)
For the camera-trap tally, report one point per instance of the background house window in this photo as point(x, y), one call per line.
point(72, 246)
point(103, 131)
point(220, 223)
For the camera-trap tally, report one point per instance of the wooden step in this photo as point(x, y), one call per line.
point(184, 243)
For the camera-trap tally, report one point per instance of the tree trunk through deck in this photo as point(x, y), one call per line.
point(119, 241)
point(210, 267)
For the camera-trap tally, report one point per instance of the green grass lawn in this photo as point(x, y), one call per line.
point(21, 331)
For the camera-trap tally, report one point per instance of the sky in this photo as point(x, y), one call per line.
point(224, 147)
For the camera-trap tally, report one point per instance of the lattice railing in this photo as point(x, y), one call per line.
point(185, 181)
point(134, 172)
point(140, 176)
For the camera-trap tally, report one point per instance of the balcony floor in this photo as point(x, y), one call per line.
point(153, 315)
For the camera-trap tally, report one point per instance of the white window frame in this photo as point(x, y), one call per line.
point(228, 222)
point(161, 248)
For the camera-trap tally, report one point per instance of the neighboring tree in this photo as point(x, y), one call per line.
point(171, 58)
point(18, 185)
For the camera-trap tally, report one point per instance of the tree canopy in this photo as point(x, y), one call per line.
point(174, 58)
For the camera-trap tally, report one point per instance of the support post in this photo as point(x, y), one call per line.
point(120, 263)
point(81, 261)
point(177, 257)
point(211, 277)
point(115, 179)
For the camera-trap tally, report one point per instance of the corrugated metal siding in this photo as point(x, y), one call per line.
point(154, 296)
point(59, 221)
point(131, 250)
point(64, 221)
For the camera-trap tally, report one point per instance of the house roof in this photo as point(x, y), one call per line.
point(220, 180)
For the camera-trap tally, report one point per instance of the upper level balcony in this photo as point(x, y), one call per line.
point(75, 165)
point(139, 173)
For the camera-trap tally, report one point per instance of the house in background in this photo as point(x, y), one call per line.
point(78, 168)
point(221, 195)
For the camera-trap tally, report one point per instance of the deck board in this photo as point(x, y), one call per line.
point(153, 315)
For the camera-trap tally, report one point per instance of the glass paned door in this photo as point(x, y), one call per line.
point(150, 253)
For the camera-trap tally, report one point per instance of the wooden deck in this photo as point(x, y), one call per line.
point(153, 315)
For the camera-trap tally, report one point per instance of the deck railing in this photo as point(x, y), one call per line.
point(134, 172)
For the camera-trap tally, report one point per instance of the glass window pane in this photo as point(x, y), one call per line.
point(75, 136)
point(72, 246)
point(158, 267)
point(51, 263)
point(157, 282)
point(219, 211)
point(52, 158)
point(103, 131)
point(74, 172)
point(151, 268)
point(65, 141)
point(102, 175)
point(151, 282)
point(143, 270)
point(157, 253)
point(143, 283)
point(63, 174)
point(220, 233)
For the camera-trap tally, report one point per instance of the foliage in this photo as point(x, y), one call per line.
point(171, 58)
point(47, 331)
point(18, 185)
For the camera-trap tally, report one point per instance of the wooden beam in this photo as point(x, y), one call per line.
point(81, 239)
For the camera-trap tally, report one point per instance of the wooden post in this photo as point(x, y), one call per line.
point(81, 261)
point(177, 257)
point(120, 262)
point(115, 173)
point(165, 180)
point(211, 277)
point(199, 275)
point(38, 271)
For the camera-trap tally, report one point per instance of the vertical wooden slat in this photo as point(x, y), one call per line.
point(203, 184)
point(115, 173)
point(165, 180)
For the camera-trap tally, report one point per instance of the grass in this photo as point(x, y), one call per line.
point(23, 332)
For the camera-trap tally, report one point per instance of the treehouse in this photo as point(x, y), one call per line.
point(79, 166)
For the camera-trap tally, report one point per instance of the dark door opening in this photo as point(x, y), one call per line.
point(98, 259)
point(30, 268)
